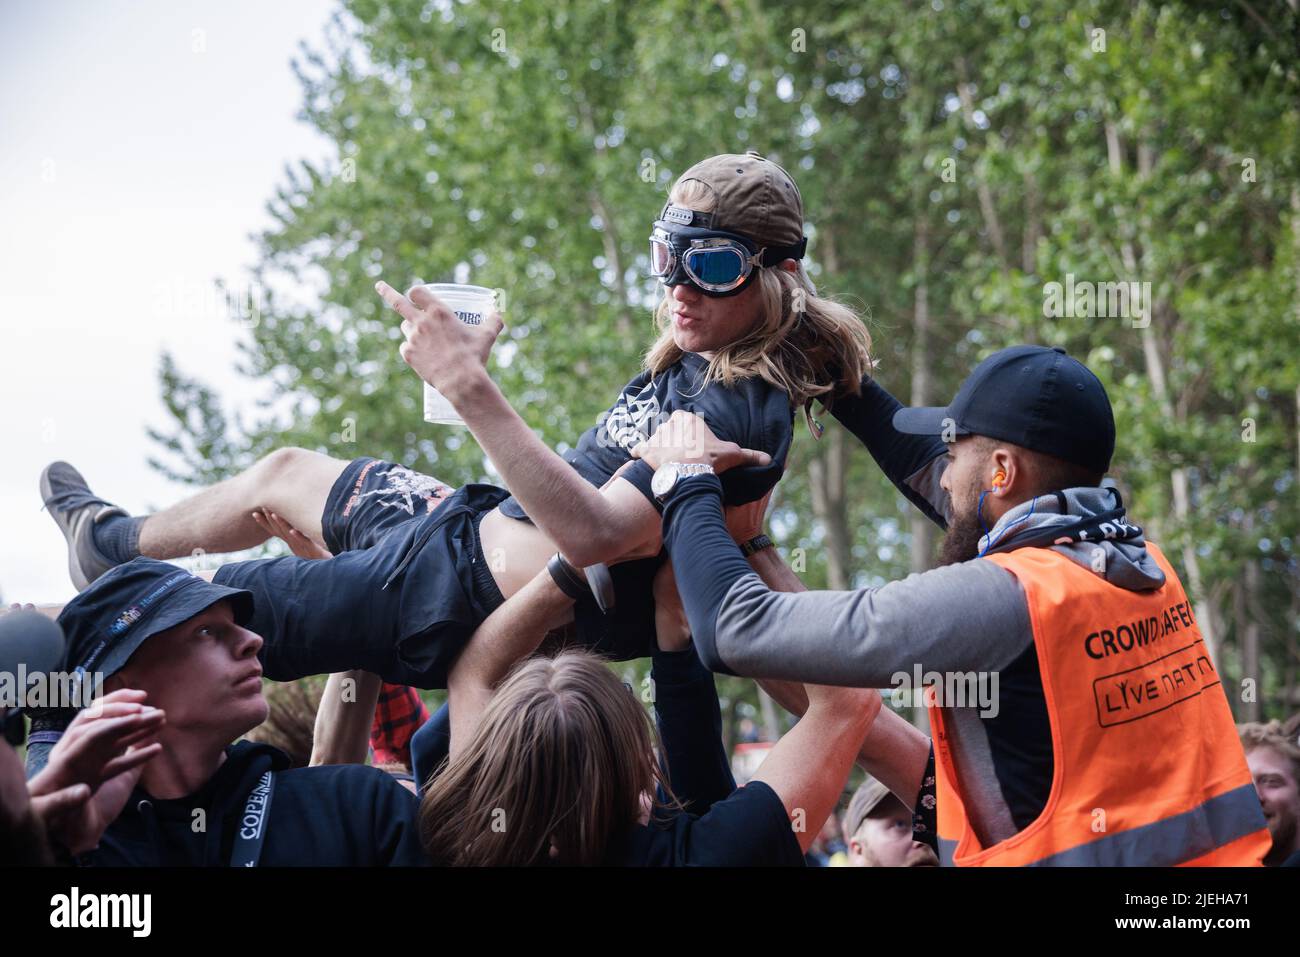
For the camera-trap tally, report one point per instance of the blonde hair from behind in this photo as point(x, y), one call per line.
point(558, 767)
point(808, 346)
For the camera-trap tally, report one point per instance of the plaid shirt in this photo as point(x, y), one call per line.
point(398, 715)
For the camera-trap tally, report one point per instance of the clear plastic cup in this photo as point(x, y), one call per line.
point(472, 305)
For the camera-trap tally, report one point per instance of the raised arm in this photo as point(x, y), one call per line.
point(341, 734)
point(589, 526)
point(894, 751)
point(912, 462)
point(866, 638)
point(807, 768)
point(686, 707)
point(512, 631)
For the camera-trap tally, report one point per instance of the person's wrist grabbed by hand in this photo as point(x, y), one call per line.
point(686, 438)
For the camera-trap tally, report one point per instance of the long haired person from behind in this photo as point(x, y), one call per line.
point(562, 770)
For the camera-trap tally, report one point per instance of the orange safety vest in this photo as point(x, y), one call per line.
point(1148, 766)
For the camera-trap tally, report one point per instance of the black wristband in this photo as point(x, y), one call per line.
point(567, 578)
point(755, 544)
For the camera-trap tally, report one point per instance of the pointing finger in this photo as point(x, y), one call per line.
point(405, 308)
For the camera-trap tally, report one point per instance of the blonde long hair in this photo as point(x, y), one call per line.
point(808, 346)
point(557, 769)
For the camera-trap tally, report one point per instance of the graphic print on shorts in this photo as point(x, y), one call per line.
point(401, 488)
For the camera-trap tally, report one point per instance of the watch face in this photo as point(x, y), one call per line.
point(664, 478)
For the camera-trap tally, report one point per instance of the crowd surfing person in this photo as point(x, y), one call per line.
point(1110, 740)
point(744, 341)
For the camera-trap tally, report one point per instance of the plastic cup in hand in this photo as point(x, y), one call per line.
point(472, 305)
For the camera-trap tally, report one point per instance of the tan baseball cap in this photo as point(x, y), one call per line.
point(869, 795)
point(754, 198)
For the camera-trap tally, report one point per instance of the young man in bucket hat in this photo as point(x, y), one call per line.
point(203, 801)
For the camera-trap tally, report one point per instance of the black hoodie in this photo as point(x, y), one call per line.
point(339, 815)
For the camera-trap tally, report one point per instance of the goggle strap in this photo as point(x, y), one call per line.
point(682, 216)
point(776, 254)
point(771, 254)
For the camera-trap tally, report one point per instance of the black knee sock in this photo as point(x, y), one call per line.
point(118, 537)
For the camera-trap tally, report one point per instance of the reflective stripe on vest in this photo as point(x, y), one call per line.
point(1174, 840)
point(1148, 768)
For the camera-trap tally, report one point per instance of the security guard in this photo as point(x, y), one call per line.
point(1078, 718)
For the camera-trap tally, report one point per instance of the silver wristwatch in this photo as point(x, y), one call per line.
point(668, 474)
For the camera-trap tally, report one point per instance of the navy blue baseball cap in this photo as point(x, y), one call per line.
point(107, 622)
point(1033, 396)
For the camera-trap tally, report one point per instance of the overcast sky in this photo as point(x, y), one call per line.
point(139, 142)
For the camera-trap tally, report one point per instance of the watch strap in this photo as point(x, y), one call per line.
point(692, 468)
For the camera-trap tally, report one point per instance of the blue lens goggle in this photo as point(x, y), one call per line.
point(717, 263)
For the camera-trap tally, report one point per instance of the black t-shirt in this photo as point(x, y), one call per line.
point(343, 815)
point(722, 825)
point(752, 413)
point(748, 829)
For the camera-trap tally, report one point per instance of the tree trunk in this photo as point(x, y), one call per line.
point(609, 232)
point(1248, 637)
point(1290, 691)
point(921, 527)
point(826, 481)
point(988, 209)
point(1291, 694)
point(1033, 225)
point(826, 472)
point(1153, 352)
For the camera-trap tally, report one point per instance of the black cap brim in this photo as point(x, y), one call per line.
point(926, 420)
point(192, 599)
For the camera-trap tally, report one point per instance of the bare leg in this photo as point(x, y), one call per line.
point(294, 483)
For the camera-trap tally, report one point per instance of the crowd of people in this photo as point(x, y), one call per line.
point(646, 541)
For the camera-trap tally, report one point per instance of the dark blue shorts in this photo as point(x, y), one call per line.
point(406, 589)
